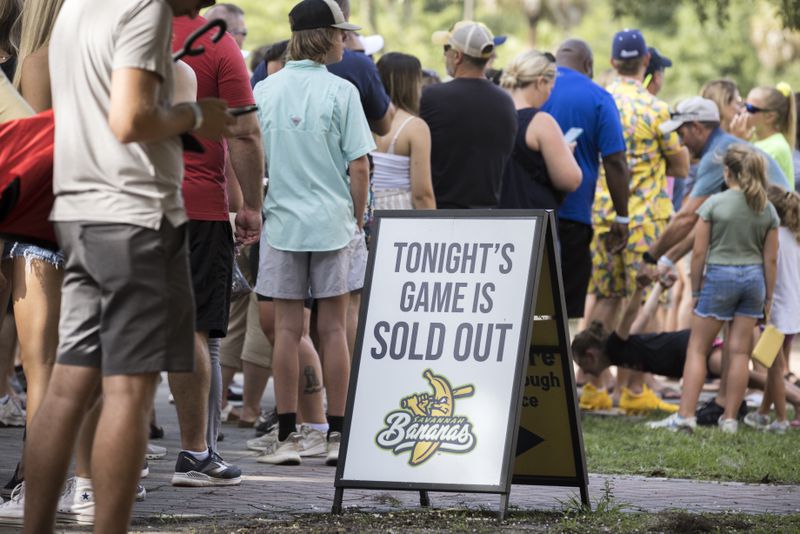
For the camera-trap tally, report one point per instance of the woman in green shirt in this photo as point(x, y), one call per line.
point(771, 119)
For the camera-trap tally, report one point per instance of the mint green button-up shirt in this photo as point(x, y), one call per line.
point(312, 125)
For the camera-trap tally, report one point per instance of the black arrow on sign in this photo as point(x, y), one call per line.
point(527, 440)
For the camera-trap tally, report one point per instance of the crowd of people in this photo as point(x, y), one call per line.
point(209, 219)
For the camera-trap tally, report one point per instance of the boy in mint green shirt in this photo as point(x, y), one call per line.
point(312, 244)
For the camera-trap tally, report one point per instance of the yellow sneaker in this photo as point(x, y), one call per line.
point(594, 399)
point(643, 403)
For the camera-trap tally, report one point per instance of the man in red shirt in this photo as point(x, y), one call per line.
point(221, 73)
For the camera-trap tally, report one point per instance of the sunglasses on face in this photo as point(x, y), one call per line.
point(750, 108)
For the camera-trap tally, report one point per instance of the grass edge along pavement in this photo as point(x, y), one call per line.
point(617, 445)
point(607, 515)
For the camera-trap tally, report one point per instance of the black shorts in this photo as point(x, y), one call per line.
point(211, 259)
point(574, 239)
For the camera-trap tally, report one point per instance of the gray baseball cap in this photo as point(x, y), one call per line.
point(695, 109)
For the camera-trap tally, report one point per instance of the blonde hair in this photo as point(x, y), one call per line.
point(780, 101)
point(787, 204)
point(37, 21)
point(526, 68)
point(312, 44)
point(748, 169)
point(721, 92)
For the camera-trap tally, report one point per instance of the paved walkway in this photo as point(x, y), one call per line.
point(284, 491)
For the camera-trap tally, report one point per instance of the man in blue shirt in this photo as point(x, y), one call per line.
point(697, 122)
point(578, 102)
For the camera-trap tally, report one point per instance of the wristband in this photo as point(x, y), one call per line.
point(198, 115)
point(619, 219)
point(666, 262)
point(648, 258)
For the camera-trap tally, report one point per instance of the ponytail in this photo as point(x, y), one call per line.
point(780, 100)
point(787, 204)
point(749, 170)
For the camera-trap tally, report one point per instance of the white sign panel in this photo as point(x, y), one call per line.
point(441, 339)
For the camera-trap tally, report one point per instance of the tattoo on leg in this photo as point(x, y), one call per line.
point(312, 382)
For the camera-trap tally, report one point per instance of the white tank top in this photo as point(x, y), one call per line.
point(392, 171)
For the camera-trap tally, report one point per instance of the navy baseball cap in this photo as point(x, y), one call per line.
point(628, 44)
point(657, 62)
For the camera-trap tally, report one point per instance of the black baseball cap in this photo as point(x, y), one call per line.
point(314, 14)
point(657, 62)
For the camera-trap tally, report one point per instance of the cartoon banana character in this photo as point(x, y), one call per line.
point(440, 404)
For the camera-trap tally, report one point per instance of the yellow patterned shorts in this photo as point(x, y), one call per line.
point(614, 276)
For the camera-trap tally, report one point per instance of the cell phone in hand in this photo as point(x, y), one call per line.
point(243, 110)
point(572, 134)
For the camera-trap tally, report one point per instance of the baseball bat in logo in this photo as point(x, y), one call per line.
point(427, 422)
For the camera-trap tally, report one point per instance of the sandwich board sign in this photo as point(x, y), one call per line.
point(442, 352)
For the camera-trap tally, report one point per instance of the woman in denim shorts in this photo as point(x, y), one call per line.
point(736, 240)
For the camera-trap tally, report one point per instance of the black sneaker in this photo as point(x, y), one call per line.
point(266, 422)
point(213, 471)
point(709, 413)
point(156, 432)
point(742, 411)
point(13, 483)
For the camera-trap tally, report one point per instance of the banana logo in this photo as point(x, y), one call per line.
point(439, 404)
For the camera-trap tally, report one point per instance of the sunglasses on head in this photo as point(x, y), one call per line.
point(750, 108)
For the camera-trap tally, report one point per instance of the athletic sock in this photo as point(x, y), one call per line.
point(336, 423)
point(287, 423)
point(320, 427)
point(199, 455)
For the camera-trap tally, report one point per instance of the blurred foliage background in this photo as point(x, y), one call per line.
point(753, 42)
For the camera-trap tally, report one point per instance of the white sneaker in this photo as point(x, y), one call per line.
point(675, 423)
point(285, 452)
point(76, 505)
point(728, 426)
point(141, 493)
point(332, 456)
point(756, 420)
point(778, 427)
point(313, 442)
point(261, 444)
point(11, 413)
point(154, 452)
point(12, 512)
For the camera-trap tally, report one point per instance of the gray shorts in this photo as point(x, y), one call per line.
point(126, 301)
point(297, 275)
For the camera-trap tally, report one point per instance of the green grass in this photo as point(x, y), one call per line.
point(566, 522)
point(620, 445)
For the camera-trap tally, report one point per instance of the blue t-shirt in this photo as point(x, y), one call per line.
point(361, 71)
point(578, 102)
point(710, 178)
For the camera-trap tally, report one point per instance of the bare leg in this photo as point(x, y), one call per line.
point(83, 452)
point(255, 382)
point(741, 345)
point(51, 438)
point(310, 385)
point(353, 308)
point(775, 392)
point(332, 329)
point(37, 298)
point(285, 357)
point(119, 448)
point(606, 311)
point(704, 330)
point(191, 396)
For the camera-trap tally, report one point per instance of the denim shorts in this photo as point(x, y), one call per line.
point(18, 249)
point(730, 290)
